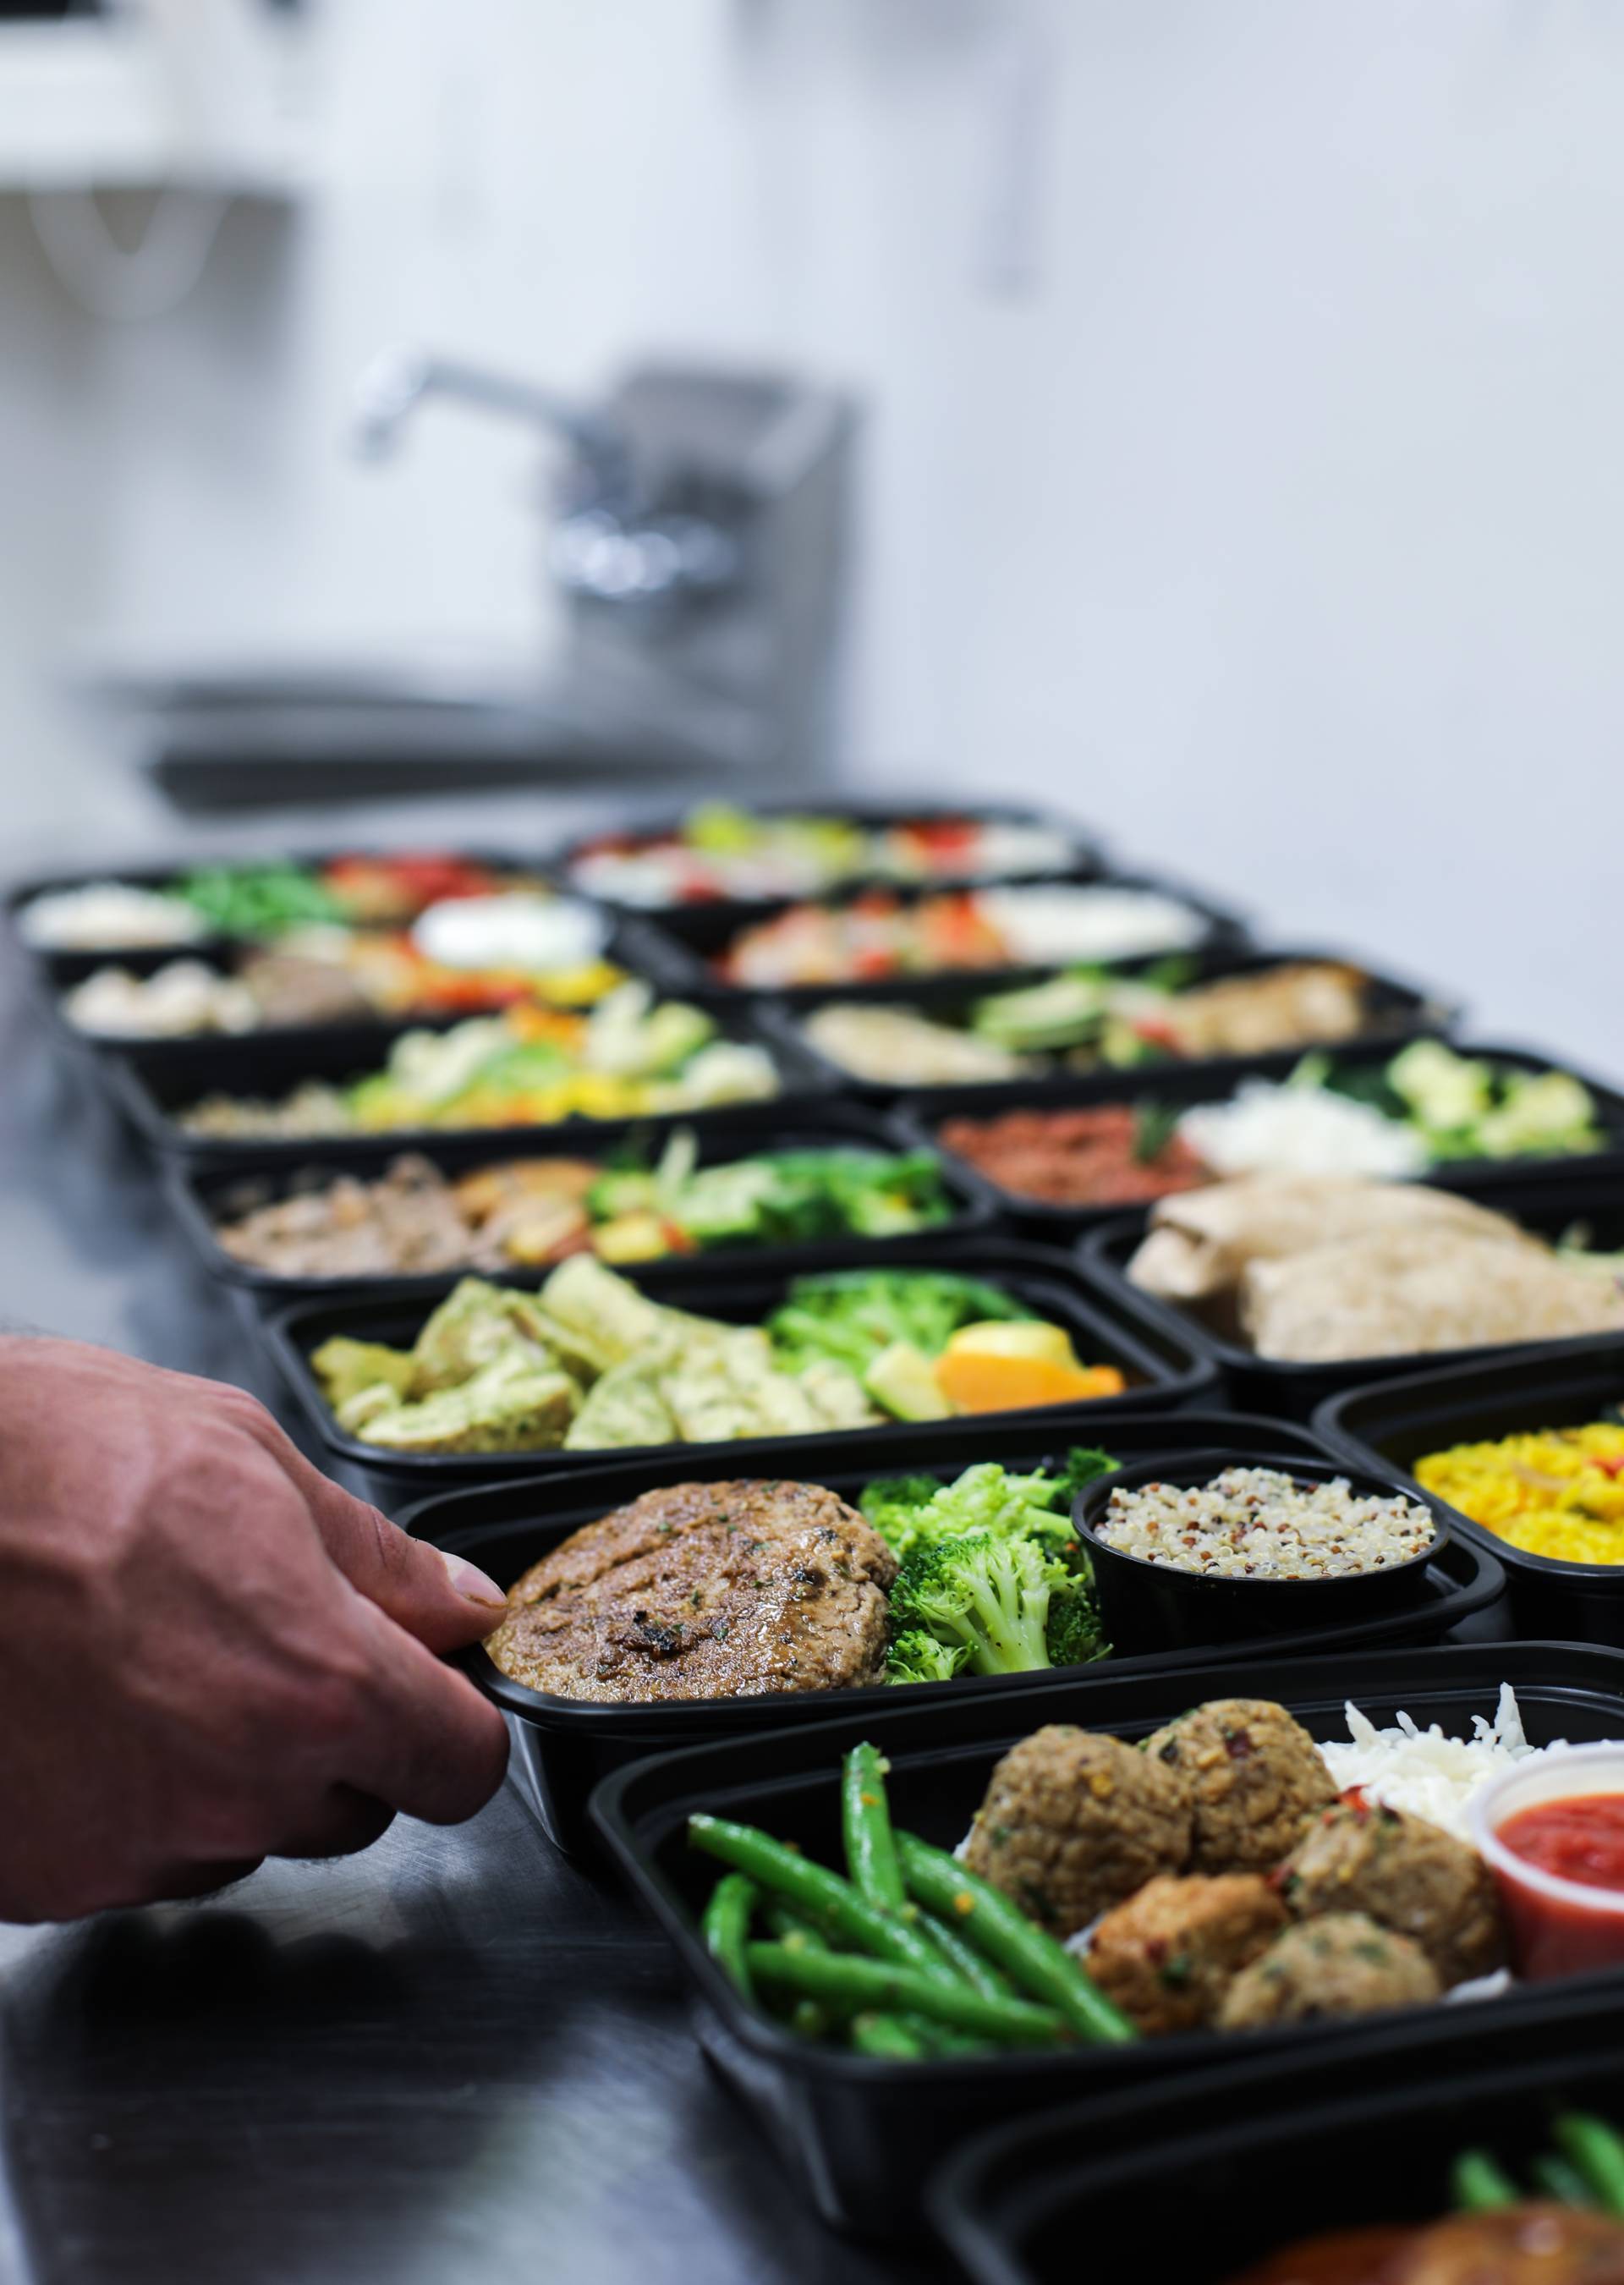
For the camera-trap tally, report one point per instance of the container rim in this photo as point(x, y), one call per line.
point(1601, 1904)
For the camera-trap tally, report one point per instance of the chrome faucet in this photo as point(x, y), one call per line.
point(699, 541)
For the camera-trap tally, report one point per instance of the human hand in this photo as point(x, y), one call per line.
point(210, 1653)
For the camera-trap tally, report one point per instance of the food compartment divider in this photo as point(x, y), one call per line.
point(561, 1747)
point(861, 2136)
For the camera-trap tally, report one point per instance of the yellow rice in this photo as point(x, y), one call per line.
point(1557, 1493)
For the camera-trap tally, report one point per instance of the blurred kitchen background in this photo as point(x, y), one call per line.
point(1199, 415)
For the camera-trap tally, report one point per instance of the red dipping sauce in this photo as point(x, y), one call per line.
point(1580, 1839)
point(1577, 1839)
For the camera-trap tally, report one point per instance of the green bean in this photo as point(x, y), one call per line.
point(1025, 1952)
point(808, 2020)
point(727, 1926)
point(885, 2035)
point(1561, 2181)
point(1592, 2148)
point(1477, 2183)
point(791, 1928)
point(865, 1821)
point(978, 1972)
point(832, 1904)
point(875, 1984)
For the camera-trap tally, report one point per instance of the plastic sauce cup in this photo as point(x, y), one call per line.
point(1559, 1928)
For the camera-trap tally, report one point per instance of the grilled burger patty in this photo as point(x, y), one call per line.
point(704, 1590)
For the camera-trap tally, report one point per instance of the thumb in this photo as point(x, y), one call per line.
point(444, 1601)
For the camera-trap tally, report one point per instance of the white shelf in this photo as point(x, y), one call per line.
point(110, 104)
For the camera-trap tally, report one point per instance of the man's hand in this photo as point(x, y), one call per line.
point(209, 1653)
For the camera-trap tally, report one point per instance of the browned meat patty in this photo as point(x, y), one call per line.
point(1169, 1954)
point(1408, 1874)
point(704, 1590)
point(1072, 1823)
point(1518, 2245)
point(1340, 1964)
point(1254, 1778)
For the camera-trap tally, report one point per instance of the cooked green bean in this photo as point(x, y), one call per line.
point(1595, 2151)
point(864, 1817)
point(1561, 2181)
point(727, 1926)
point(977, 1971)
point(1477, 2183)
point(1025, 1952)
point(873, 2034)
point(830, 1903)
point(875, 1984)
point(809, 2019)
point(791, 1927)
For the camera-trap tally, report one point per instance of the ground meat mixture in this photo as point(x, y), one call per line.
point(1074, 1823)
point(1103, 1156)
point(1406, 1873)
point(1253, 1777)
point(1168, 1956)
point(1340, 1964)
point(704, 1590)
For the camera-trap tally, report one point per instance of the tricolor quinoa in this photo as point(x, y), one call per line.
point(1258, 1523)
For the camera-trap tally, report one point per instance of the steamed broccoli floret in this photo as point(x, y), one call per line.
point(893, 1505)
point(1073, 1635)
point(989, 1595)
point(1083, 1464)
point(917, 1656)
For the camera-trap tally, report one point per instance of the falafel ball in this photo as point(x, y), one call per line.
point(1170, 1954)
point(1255, 1777)
point(1409, 1875)
point(1072, 1823)
point(1342, 1964)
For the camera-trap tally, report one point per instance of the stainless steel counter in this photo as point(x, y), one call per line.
point(452, 2060)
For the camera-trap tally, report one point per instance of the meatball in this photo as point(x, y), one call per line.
point(1074, 1823)
point(704, 1590)
point(1340, 1964)
point(1254, 1777)
point(1532, 2244)
point(1169, 1954)
point(1409, 1875)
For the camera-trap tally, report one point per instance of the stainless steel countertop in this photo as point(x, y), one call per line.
point(452, 2060)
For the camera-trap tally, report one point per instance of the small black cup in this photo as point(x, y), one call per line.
point(1150, 1606)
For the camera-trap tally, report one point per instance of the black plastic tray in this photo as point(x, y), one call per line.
point(683, 944)
point(1293, 1391)
point(1559, 1385)
point(1182, 1085)
point(1205, 2181)
point(150, 1081)
point(561, 1746)
point(1087, 856)
point(862, 2135)
point(1400, 1011)
point(1168, 1372)
point(203, 1194)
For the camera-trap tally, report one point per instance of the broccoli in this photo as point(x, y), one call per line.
point(988, 1594)
point(893, 1505)
point(1073, 1636)
point(917, 1656)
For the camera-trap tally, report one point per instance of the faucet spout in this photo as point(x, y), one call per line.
point(396, 382)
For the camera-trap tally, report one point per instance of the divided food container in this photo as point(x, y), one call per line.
point(561, 1746)
point(1392, 1424)
point(1163, 1371)
point(153, 1081)
point(1180, 1087)
point(1399, 1012)
point(1293, 1391)
point(861, 2136)
point(203, 1193)
point(1202, 2181)
point(683, 945)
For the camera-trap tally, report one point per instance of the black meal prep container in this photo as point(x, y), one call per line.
point(1399, 1010)
point(1162, 1374)
point(561, 1747)
point(862, 2136)
point(681, 945)
point(1154, 1605)
point(1392, 1424)
point(203, 1194)
point(1180, 1085)
point(1295, 1391)
point(1201, 2181)
point(1087, 860)
point(150, 1081)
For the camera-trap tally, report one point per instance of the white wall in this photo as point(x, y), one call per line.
point(1274, 525)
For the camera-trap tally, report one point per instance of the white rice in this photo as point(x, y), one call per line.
point(1292, 1129)
point(1427, 1772)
